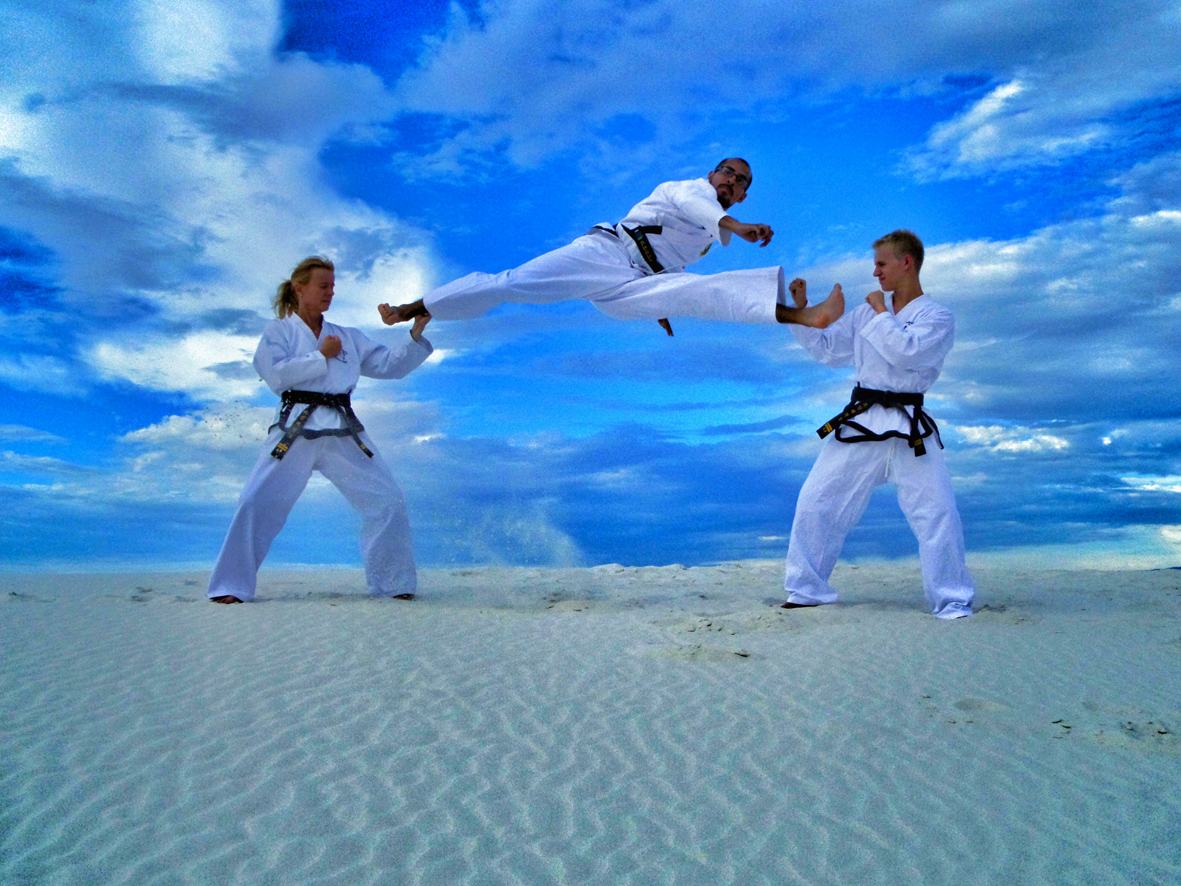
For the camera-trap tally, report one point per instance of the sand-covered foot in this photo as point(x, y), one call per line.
point(402, 597)
point(225, 598)
point(791, 605)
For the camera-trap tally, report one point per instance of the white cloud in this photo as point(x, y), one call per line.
point(206, 455)
point(199, 39)
point(1006, 128)
point(1154, 484)
point(38, 464)
point(1011, 440)
point(169, 161)
point(1128, 548)
point(227, 428)
point(537, 77)
point(182, 364)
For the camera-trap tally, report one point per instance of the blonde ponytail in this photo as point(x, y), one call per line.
point(286, 301)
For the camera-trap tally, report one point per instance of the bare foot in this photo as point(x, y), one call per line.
point(225, 598)
point(827, 312)
point(402, 597)
point(402, 313)
point(666, 326)
point(790, 605)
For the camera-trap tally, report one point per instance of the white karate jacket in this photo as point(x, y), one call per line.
point(688, 212)
point(288, 357)
point(903, 352)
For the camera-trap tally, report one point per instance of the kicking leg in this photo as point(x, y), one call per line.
point(584, 269)
point(748, 296)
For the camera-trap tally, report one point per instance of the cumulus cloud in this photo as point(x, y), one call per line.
point(1011, 440)
point(167, 159)
point(196, 363)
point(1003, 129)
point(532, 78)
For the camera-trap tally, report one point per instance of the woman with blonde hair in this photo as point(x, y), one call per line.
point(314, 366)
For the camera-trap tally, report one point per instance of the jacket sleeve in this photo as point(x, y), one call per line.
point(379, 361)
point(832, 346)
point(697, 202)
point(923, 343)
point(281, 369)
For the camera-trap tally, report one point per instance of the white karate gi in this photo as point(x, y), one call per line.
point(288, 358)
point(607, 270)
point(902, 353)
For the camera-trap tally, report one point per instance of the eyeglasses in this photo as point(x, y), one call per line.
point(738, 179)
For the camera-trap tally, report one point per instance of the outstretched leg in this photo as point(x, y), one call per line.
point(584, 269)
point(818, 316)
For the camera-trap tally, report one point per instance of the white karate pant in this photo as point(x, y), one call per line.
point(834, 497)
point(597, 268)
point(275, 485)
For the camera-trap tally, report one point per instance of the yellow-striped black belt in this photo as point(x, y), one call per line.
point(639, 234)
point(911, 405)
point(311, 399)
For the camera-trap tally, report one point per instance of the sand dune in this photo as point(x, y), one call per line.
point(590, 726)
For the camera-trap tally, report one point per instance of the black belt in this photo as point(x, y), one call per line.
point(640, 235)
point(921, 424)
point(339, 402)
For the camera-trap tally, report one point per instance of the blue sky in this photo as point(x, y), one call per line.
point(164, 165)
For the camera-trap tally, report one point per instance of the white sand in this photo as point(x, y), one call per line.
point(590, 726)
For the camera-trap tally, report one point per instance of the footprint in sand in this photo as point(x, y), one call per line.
point(979, 706)
point(697, 652)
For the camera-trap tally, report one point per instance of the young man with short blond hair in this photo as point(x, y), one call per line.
point(897, 347)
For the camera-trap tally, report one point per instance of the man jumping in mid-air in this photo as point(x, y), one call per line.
point(634, 270)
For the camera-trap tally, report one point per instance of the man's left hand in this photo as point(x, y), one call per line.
point(749, 233)
point(755, 233)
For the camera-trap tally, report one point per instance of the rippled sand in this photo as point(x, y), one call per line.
point(590, 726)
